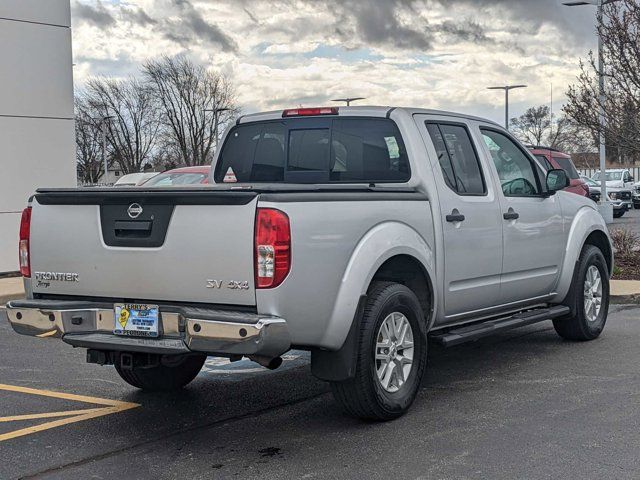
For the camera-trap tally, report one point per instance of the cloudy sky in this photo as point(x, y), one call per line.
point(283, 53)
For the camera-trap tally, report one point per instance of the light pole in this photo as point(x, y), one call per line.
point(348, 100)
point(606, 209)
point(507, 89)
point(103, 125)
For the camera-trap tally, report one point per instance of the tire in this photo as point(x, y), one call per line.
point(584, 324)
point(364, 396)
point(171, 373)
point(618, 214)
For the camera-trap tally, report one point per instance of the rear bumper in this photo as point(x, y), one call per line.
point(181, 329)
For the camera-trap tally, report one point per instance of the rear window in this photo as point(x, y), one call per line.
point(314, 150)
point(567, 165)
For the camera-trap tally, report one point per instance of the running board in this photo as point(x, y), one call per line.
point(456, 336)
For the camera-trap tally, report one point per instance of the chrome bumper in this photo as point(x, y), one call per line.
point(181, 329)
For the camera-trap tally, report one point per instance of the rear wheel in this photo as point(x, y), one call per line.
point(391, 358)
point(588, 298)
point(171, 372)
point(618, 214)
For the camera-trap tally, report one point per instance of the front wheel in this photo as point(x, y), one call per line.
point(618, 214)
point(171, 372)
point(391, 357)
point(588, 298)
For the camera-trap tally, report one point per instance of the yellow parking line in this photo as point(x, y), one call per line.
point(46, 334)
point(66, 396)
point(35, 416)
point(73, 416)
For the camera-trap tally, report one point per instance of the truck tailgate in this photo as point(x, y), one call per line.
point(173, 245)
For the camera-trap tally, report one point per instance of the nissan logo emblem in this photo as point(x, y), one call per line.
point(134, 210)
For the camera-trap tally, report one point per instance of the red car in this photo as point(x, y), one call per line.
point(552, 158)
point(180, 176)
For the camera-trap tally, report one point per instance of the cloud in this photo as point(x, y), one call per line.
point(137, 16)
point(381, 22)
point(192, 26)
point(279, 53)
point(531, 16)
point(96, 15)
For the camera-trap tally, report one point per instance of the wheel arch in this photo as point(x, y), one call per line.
point(391, 251)
point(588, 228)
point(378, 246)
point(408, 271)
point(599, 239)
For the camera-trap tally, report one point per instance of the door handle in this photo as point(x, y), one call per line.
point(455, 216)
point(511, 215)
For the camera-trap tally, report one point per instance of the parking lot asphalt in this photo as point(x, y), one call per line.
point(630, 221)
point(524, 404)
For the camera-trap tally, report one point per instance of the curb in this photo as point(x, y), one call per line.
point(625, 299)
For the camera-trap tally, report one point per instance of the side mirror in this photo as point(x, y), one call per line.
point(631, 179)
point(557, 179)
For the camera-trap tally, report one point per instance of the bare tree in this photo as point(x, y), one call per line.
point(88, 143)
point(194, 103)
point(532, 126)
point(566, 136)
point(620, 32)
point(537, 127)
point(130, 111)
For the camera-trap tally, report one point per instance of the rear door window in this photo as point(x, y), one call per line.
point(458, 159)
point(315, 150)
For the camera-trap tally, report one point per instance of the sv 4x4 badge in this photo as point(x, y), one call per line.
point(231, 285)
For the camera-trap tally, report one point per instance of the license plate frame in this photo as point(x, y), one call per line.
point(136, 320)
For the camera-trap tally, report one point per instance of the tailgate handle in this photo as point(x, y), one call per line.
point(140, 229)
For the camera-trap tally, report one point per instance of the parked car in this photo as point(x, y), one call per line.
point(181, 176)
point(616, 178)
point(552, 159)
point(594, 188)
point(134, 179)
point(620, 198)
point(352, 232)
point(636, 195)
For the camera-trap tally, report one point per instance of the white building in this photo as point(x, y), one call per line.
point(113, 174)
point(37, 143)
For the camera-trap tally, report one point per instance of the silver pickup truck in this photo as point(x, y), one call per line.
point(355, 233)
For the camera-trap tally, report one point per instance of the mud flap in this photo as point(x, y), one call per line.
point(339, 365)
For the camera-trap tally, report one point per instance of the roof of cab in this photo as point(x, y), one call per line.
point(365, 111)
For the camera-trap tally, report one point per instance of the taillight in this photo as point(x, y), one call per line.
point(23, 248)
point(306, 112)
point(272, 247)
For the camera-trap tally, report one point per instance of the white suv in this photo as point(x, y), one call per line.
point(616, 178)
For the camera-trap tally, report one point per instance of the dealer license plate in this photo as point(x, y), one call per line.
point(135, 319)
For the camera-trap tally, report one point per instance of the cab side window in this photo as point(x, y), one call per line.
point(458, 159)
point(516, 170)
